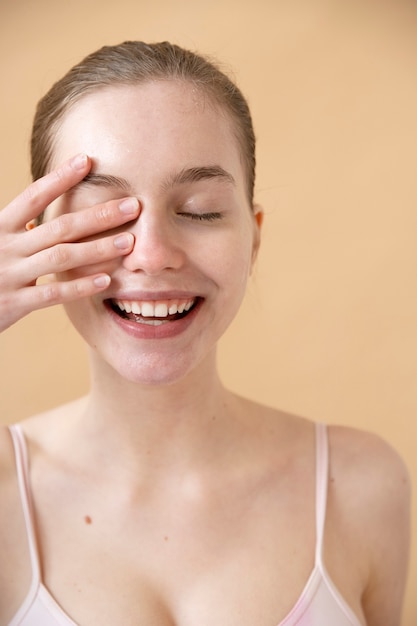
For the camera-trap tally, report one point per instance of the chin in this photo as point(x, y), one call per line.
point(148, 369)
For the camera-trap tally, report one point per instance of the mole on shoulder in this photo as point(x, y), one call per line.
point(88, 519)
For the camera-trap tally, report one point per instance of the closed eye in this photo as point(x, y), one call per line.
point(202, 217)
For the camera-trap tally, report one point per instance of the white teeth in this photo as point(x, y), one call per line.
point(161, 310)
point(153, 322)
point(151, 309)
point(147, 309)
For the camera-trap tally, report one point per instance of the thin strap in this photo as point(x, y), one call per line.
point(22, 466)
point(322, 474)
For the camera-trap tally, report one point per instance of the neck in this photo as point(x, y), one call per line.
point(176, 423)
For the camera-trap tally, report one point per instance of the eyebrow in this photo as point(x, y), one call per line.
point(196, 174)
point(184, 176)
point(104, 180)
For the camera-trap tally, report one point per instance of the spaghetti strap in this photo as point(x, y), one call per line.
point(22, 467)
point(322, 474)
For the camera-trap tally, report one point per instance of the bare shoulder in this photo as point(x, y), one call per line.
point(367, 459)
point(9, 502)
point(7, 463)
point(14, 556)
point(369, 477)
point(9, 493)
point(370, 493)
point(38, 429)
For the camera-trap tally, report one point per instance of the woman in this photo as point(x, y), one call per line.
point(161, 498)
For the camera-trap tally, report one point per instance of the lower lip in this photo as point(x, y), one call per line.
point(148, 331)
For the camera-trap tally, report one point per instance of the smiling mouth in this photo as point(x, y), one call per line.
point(153, 313)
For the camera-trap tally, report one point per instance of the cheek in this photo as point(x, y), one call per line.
point(228, 259)
point(79, 314)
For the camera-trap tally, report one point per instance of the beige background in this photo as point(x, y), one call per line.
point(329, 325)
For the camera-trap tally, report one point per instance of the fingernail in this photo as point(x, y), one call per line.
point(79, 162)
point(102, 281)
point(123, 241)
point(31, 224)
point(129, 205)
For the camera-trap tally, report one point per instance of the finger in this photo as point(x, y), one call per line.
point(51, 293)
point(72, 227)
point(35, 198)
point(68, 256)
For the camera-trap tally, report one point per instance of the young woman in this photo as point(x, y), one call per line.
point(161, 498)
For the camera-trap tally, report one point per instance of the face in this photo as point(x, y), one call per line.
point(174, 295)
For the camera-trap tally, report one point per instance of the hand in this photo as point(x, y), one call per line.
point(57, 245)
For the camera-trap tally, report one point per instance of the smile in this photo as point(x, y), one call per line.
point(151, 312)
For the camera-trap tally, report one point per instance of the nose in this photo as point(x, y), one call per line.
point(157, 244)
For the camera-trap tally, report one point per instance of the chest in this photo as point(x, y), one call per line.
point(182, 565)
point(240, 583)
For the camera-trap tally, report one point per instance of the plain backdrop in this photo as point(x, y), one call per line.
point(329, 326)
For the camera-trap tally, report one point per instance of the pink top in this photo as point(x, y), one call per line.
point(320, 603)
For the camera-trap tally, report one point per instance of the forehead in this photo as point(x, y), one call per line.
point(148, 127)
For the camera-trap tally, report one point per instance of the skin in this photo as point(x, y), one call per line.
point(173, 252)
point(184, 503)
point(26, 255)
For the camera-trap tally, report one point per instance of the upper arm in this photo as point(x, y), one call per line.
point(389, 518)
point(373, 487)
point(15, 569)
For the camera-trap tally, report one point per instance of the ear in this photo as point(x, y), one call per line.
point(258, 218)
